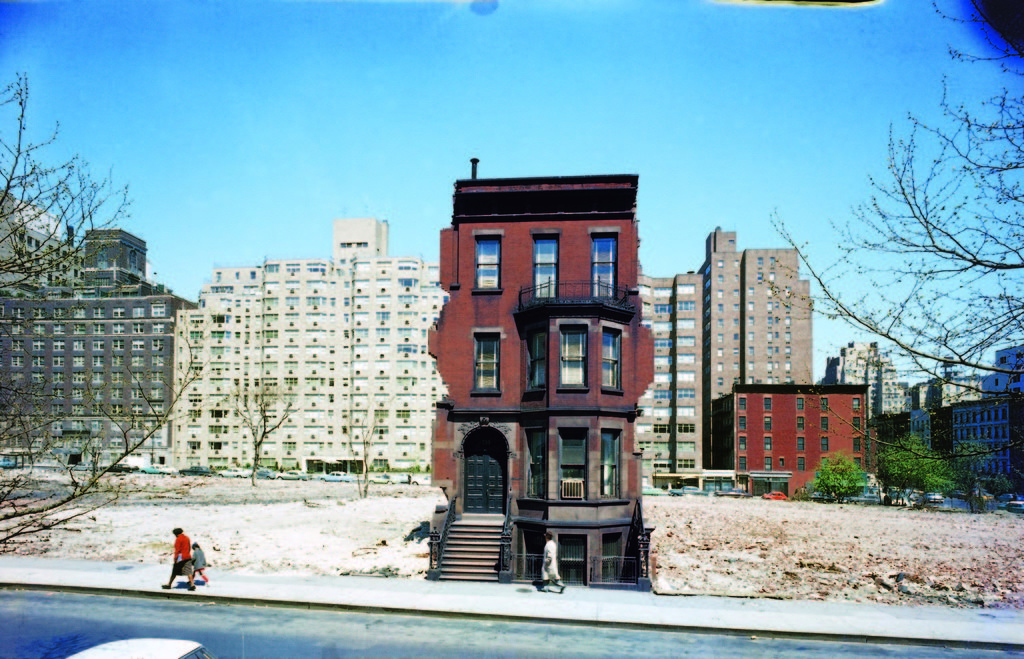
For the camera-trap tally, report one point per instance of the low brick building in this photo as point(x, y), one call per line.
point(775, 436)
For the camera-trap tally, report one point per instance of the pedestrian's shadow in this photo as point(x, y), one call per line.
point(538, 584)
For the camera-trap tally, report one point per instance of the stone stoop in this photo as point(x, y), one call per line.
point(473, 549)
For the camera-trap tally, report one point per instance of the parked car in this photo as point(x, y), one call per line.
point(1010, 497)
point(934, 499)
point(267, 474)
point(8, 463)
point(197, 470)
point(1016, 507)
point(122, 468)
point(774, 496)
point(653, 492)
point(735, 493)
point(152, 648)
point(235, 472)
point(821, 497)
point(381, 479)
point(408, 479)
point(689, 490)
point(294, 475)
point(158, 469)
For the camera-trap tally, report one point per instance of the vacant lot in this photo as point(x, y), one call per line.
point(702, 545)
point(828, 551)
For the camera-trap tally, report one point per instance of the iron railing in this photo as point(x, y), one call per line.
point(505, 566)
point(574, 292)
point(614, 569)
point(438, 539)
point(640, 541)
point(529, 567)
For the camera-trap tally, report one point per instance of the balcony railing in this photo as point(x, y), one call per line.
point(574, 292)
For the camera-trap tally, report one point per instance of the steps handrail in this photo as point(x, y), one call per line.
point(437, 544)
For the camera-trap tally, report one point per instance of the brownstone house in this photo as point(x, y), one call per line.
point(544, 357)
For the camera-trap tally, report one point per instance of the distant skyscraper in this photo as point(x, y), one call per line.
point(864, 363)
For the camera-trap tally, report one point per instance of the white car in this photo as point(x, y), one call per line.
point(235, 473)
point(146, 648)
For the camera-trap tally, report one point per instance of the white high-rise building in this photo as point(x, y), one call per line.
point(340, 344)
point(864, 363)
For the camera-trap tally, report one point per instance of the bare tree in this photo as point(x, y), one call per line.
point(263, 410)
point(46, 210)
point(29, 505)
point(369, 429)
point(940, 244)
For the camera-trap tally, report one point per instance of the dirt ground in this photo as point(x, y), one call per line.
point(836, 552)
point(702, 545)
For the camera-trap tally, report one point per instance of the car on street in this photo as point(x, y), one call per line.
point(235, 472)
point(1009, 497)
point(267, 474)
point(653, 492)
point(197, 470)
point(821, 497)
point(934, 499)
point(1016, 507)
point(734, 493)
point(8, 463)
point(158, 469)
point(336, 477)
point(122, 468)
point(774, 496)
point(147, 648)
point(294, 475)
point(688, 490)
point(408, 479)
point(381, 479)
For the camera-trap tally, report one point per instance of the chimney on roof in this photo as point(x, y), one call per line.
point(474, 162)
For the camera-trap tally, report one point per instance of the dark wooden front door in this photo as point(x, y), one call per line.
point(485, 477)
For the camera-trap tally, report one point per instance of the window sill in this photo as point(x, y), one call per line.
point(573, 389)
point(485, 392)
point(487, 291)
point(613, 391)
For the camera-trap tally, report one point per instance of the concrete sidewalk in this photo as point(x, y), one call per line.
point(918, 625)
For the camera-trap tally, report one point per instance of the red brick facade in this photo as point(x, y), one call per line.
point(778, 434)
point(544, 358)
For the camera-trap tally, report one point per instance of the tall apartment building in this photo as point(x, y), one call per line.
point(339, 344)
point(87, 366)
point(743, 318)
point(864, 363)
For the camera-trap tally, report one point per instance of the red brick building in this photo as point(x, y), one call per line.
point(541, 348)
point(775, 436)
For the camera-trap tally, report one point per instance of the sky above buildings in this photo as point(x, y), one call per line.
point(244, 129)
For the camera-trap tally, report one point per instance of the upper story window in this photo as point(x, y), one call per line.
point(488, 263)
point(545, 266)
point(611, 375)
point(486, 362)
point(574, 357)
point(603, 260)
point(537, 345)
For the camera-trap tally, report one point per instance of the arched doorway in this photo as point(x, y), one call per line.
point(486, 457)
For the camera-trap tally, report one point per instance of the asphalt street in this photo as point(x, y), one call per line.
point(42, 625)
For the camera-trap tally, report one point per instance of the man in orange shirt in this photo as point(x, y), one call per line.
point(182, 558)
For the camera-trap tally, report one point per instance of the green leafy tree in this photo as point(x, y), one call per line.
point(909, 464)
point(839, 477)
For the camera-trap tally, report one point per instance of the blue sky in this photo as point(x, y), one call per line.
point(244, 129)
